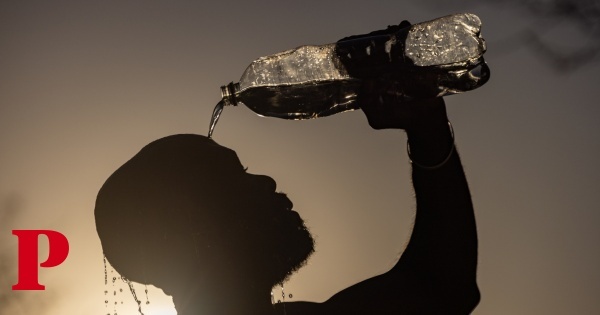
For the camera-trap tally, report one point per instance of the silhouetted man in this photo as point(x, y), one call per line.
point(185, 216)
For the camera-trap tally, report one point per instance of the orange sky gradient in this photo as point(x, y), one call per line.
point(85, 85)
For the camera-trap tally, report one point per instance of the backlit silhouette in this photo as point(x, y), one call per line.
point(185, 216)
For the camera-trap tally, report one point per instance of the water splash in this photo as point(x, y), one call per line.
point(283, 299)
point(215, 117)
point(146, 290)
point(135, 298)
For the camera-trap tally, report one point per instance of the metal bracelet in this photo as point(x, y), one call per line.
point(436, 166)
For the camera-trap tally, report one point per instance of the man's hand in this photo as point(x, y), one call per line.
point(424, 120)
point(385, 109)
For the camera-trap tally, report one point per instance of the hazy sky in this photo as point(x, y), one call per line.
point(85, 84)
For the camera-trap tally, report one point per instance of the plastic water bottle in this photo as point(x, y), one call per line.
point(434, 58)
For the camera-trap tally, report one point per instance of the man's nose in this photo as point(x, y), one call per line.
point(264, 182)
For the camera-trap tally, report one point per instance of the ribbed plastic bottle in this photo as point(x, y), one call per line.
point(434, 58)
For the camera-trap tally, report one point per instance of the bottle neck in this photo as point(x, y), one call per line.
point(229, 93)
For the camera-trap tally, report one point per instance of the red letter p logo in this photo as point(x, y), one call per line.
point(58, 249)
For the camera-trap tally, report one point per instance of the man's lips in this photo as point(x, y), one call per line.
point(282, 201)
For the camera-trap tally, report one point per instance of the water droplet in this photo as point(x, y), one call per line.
point(106, 301)
point(105, 273)
point(290, 296)
point(278, 301)
point(120, 290)
point(130, 284)
point(146, 290)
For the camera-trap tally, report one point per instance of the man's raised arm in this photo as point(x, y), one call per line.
point(436, 274)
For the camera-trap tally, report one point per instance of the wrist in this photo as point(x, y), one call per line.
point(430, 134)
point(433, 150)
point(427, 116)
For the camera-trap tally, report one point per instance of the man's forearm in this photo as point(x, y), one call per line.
point(442, 251)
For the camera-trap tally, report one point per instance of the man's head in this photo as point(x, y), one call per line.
point(183, 214)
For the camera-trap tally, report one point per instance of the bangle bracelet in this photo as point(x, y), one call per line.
point(436, 166)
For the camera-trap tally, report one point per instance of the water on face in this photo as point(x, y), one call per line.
point(117, 291)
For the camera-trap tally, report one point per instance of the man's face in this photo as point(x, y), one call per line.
point(261, 222)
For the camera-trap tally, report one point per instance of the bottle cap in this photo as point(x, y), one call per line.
point(229, 91)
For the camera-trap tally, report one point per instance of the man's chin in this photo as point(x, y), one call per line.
point(295, 255)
